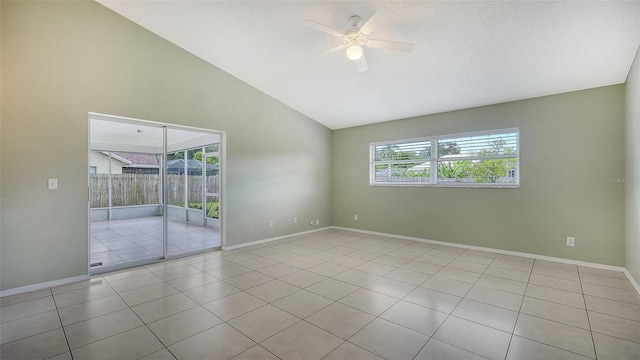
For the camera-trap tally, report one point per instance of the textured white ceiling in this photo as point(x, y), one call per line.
point(467, 54)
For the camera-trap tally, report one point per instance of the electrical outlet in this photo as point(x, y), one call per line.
point(310, 222)
point(355, 217)
point(317, 221)
point(571, 241)
point(295, 220)
point(270, 223)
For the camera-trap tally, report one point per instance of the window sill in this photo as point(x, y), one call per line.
point(452, 185)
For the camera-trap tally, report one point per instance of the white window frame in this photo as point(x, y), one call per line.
point(435, 159)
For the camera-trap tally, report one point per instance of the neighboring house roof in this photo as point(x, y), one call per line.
point(134, 160)
point(138, 160)
point(116, 157)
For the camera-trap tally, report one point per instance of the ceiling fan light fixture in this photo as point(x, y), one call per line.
point(354, 52)
point(356, 38)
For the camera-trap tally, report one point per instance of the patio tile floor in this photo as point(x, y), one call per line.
point(119, 241)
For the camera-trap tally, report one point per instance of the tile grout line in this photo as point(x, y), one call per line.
point(347, 305)
point(523, 298)
point(517, 316)
point(431, 275)
point(452, 310)
point(333, 302)
point(270, 303)
point(61, 325)
point(145, 325)
point(593, 341)
point(555, 321)
point(515, 325)
point(131, 309)
point(257, 344)
point(338, 301)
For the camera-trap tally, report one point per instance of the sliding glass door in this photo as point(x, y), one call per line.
point(154, 191)
point(189, 170)
point(124, 194)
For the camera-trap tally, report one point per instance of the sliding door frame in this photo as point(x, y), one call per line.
point(163, 173)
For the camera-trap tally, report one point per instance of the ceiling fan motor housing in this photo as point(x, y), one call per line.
point(355, 39)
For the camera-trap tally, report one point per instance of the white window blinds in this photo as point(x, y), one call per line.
point(488, 159)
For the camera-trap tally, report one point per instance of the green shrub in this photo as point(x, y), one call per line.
point(213, 208)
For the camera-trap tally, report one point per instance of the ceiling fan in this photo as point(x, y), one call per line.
point(355, 38)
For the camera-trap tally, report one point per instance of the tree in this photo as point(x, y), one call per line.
point(386, 152)
point(408, 173)
point(448, 148)
point(394, 153)
point(193, 155)
point(454, 169)
point(489, 171)
point(212, 160)
point(176, 156)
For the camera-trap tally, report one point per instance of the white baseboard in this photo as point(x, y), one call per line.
point(633, 281)
point(44, 285)
point(274, 239)
point(506, 252)
point(499, 251)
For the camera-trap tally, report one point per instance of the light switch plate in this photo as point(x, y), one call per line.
point(52, 184)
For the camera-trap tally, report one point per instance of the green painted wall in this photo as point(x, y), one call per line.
point(61, 60)
point(632, 177)
point(570, 145)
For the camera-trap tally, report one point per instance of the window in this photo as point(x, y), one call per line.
point(482, 159)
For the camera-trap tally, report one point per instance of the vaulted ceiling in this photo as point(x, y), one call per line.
point(466, 54)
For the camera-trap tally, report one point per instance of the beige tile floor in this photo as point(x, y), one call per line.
point(331, 295)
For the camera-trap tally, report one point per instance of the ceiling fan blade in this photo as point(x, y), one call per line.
point(324, 29)
point(361, 64)
point(390, 45)
point(379, 18)
point(330, 50)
